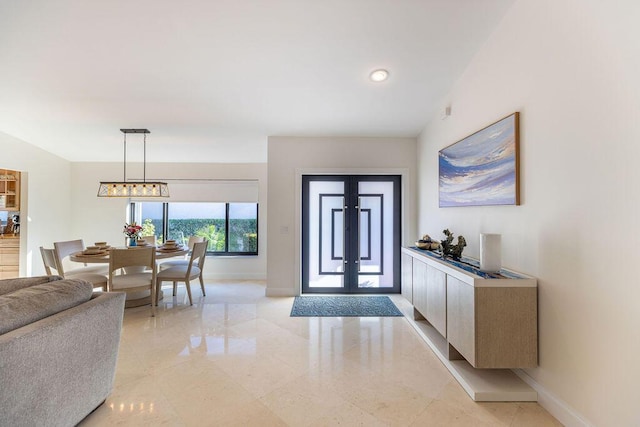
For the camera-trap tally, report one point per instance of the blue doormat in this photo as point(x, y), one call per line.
point(347, 306)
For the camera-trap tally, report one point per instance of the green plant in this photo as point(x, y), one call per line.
point(250, 242)
point(148, 229)
point(242, 232)
point(215, 237)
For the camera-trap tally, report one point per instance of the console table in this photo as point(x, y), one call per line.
point(482, 323)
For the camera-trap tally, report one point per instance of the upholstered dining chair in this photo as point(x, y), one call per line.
point(150, 240)
point(193, 240)
point(176, 262)
point(49, 258)
point(136, 280)
point(185, 273)
point(68, 247)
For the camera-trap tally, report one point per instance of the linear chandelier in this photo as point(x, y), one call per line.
point(126, 188)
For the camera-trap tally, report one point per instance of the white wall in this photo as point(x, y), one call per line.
point(102, 219)
point(45, 202)
point(290, 157)
point(571, 68)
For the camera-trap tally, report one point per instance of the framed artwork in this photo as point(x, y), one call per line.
point(482, 169)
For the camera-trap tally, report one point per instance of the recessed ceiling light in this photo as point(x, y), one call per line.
point(379, 75)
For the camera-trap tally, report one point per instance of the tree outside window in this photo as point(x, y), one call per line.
point(230, 228)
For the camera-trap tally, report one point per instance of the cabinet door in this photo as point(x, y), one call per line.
point(8, 272)
point(437, 299)
point(461, 318)
point(9, 189)
point(407, 277)
point(9, 256)
point(420, 286)
point(506, 327)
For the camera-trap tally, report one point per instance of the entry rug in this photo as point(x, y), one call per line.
point(344, 306)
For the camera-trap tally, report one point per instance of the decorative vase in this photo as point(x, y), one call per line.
point(132, 241)
point(490, 252)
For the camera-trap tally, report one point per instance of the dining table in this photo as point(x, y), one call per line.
point(102, 257)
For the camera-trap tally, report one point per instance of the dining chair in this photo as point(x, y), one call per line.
point(150, 240)
point(176, 262)
point(68, 247)
point(49, 258)
point(134, 281)
point(185, 273)
point(193, 240)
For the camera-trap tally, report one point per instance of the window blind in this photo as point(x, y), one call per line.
point(211, 191)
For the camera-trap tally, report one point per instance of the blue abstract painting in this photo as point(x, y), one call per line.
point(482, 169)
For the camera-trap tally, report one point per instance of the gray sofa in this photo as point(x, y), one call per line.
point(58, 349)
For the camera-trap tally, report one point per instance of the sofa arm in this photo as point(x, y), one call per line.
point(33, 303)
point(11, 285)
point(57, 370)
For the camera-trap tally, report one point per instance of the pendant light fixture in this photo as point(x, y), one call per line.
point(137, 189)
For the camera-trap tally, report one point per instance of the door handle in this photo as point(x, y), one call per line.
point(344, 233)
point(358, 232)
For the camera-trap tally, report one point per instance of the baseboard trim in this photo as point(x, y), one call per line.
point(233, 276)
point(279, 292)
point(554, 405)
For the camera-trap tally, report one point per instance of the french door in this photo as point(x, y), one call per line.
point(350, 234)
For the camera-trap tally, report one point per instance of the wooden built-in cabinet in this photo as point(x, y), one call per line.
point(461, 324)
point(437, 299)
point(9, 190)
point(429, 295)
point(9, 242)
point(419, 289)
point(407, 277)
point(9, 257)
point(489, 320)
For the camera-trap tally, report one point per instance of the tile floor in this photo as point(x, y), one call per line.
point(236, 358)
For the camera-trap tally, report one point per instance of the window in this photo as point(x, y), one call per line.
point(231, 228)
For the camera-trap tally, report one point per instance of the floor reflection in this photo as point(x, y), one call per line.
point(236, 358)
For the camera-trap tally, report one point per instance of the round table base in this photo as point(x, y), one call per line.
point(139, 299)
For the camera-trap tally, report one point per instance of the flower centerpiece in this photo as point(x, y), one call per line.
point(132, 231)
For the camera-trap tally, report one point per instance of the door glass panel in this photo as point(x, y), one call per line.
point(326, 238)
point(375, 205)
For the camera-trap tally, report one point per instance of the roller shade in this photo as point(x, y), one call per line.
point(212, 191)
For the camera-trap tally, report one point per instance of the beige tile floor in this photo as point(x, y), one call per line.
point(236, 358)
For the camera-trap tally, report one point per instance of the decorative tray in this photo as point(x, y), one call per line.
point(472, 266)
point(92, 253)
point(173, 249)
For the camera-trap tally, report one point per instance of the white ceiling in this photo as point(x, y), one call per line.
point(213, 79)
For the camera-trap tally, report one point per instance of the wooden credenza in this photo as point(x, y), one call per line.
point(9, 257)
point(489, 320)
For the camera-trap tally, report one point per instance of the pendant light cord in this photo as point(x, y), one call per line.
point(144, 158)
point(135, 188)
point(125, 158)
